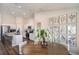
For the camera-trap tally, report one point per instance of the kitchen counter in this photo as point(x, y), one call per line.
point(16, 40)
point(13, 38)
point(10, 34)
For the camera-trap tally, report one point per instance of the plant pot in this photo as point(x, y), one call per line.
point(44, 44)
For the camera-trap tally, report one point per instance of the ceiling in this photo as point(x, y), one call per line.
point(28, 9)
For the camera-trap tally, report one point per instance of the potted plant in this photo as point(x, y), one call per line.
point(42, 34)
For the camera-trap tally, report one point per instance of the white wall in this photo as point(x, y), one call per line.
point(42, 18)
point(20, 24)
point(0, 26)
point(8, 19)
point(29, 22)
point(14, 22)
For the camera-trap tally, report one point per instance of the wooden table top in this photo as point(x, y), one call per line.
point(52, 49)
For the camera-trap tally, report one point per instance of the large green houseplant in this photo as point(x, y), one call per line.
point(42, 34)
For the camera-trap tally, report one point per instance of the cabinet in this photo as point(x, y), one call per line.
point(16, 40)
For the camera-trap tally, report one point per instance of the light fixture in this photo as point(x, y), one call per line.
point(19, 6)
point(24, 14)
point(13, 12)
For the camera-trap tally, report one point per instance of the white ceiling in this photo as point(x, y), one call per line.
point(28, 9)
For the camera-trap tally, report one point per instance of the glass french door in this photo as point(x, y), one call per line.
point(64, 29)
point(56, 30)
point(72, 31)
point(63, 33)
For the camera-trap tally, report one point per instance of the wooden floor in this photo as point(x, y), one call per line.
point(7, 49)
point(11, 50)
point(31, 49)
point(53, 49)
point(2, 49)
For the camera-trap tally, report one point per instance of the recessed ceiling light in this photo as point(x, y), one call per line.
point(13, 12)
point(19, 6)
point(24, 14)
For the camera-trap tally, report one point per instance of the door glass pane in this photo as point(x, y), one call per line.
point(63, 34)
point(56, 34)
point(56, 30)
point(72, 35)
point(72, 30)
